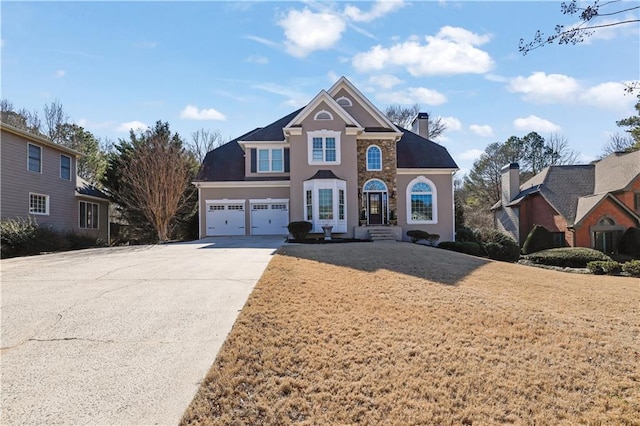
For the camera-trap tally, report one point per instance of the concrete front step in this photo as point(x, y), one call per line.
point(382, 234)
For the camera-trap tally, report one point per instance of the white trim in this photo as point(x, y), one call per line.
point(320, 97)
point(384, 192)
point(453, 206)
point(434, 201)
point(324, 134)
point(226, 201)
point(39, 139)
point(91, 197)
point(323, 111)
point(46, 204)
point(336, 185)
point(366, 158)
point(349, 103)
point(245, 184)
point(70, 167)
point(268, 200)
point(85, 210)
point(41, 158)
point(380, 135)
point(269, 159)
point(200, 215)
point(426, 171)
point(263, 144)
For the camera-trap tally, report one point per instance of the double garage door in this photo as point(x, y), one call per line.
point(228, 217)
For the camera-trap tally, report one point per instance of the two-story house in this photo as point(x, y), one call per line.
point(336, 162)
point(38, 181)
point(587, 205)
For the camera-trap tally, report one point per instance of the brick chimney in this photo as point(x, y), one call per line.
point(420, 125)
point(510, 183)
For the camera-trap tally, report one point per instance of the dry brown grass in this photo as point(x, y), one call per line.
point(397, 333)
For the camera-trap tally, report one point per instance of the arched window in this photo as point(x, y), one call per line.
point(344, 102)
point(323, 115)
point(375, 185)
point(421, 201)
point(606, 222)
point(374, 158)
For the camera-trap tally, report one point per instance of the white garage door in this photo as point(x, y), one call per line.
point(225, 217)
point(269, 217)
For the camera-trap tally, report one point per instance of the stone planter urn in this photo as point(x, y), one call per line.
point(327, 231)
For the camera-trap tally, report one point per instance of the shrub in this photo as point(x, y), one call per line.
point(632, 268)
point(538, 239)
point(630, 242)
point(464, 234)
point(299, 230)
point(572, 257)
point(499, 246)
point(601, 267)
point(417, 235)
point(16, 236)
point(466, 247)
point(432, 239)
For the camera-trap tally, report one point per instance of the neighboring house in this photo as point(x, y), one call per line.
point(336, 162)
point(38, 181)
point(582, 205)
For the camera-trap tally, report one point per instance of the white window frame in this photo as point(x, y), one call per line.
point(29, 157)
point(46, 204)
point(336, 185)
point(344, 102)
point(96, 220)
point(70, 167)
point(324, 134)
point(434, 201)
point(317, 116)
point(270, 151)
point(369, 148)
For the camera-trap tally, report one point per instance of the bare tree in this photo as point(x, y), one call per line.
point(204, 141)
point(617, 143)
point(22, 119)
point(54, 118)
point(404, 116)
point(560, 151)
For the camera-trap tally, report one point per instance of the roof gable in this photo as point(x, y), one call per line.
point(588, 204)
point(321, 97)
point(616, 172)
point(415, 152)
point(357, 96)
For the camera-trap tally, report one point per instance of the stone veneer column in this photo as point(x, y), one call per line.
point(388, 174)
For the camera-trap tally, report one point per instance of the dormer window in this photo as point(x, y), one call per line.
point(323, 115)
point(344, 102)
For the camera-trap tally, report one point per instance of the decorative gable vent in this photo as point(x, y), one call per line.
point(323, 115)
point(344, 102)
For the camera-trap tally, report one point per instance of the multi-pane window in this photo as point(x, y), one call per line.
point(421, 201)
point(558, 239)
point(65, 167)
point(341, 204)
point(89, 215)
point(270, 160)
point(324, 147)
point(38, 204)
point(325, 204)
point(309, 204)
point(374, 158)
point(34, 160)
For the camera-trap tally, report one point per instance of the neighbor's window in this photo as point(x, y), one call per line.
point(89, 215)
point(270, 160)
point(636, 199)
point(65, 167)
point(34, 161)
point(374, 158)
point(421, 201)
point(38, 204)
point(324, 147)
point(558, 239)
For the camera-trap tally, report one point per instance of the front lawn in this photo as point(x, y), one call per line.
point(399, 333)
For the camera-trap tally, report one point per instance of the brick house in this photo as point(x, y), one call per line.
point(336, 162)
point(582, 205)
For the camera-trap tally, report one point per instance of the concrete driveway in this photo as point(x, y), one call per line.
point(120, 335)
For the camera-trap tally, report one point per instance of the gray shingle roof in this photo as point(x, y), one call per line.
point(272, 132)
point(616, 171)
point(416, 152)
point(85, 188)
point(225, 163)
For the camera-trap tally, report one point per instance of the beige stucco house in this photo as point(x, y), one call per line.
point(39, 181)
point(336, 162)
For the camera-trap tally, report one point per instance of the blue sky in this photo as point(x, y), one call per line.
point(234, 66)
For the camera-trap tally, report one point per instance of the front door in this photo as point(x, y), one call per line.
point(375, 208)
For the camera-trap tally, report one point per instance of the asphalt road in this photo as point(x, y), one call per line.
point(120, 335)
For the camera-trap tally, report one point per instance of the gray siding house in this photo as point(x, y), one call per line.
point(336, 162)
point(39, 181)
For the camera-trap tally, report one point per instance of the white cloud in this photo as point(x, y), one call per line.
point(608, 95)
point(543, 88)
point(145, 45)
point(295, 99)
point(413, 95)
point(385, 81)
point(452, 123)
point(379, 9)
point(262, 40)
point(534, 123)
point(307, 31)
point(481, 130)
point(257, 59)
point(191, 112)
point(59, 73)
point(451, 51)
point(470, 155)
point(496, 78)
point(132, 125)
point(332, 76)
point(89, 124)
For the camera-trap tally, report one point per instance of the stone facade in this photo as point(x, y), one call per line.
point(388, 174)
